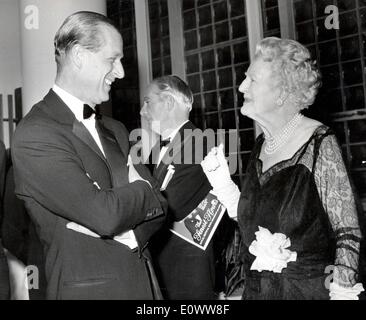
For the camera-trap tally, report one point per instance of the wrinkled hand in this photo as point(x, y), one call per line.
point(216, 167)
point(217, 171)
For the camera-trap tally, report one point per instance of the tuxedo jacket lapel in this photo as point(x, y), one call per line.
point(83, 134)
point(115, 156)
point(176, 145)
point(105, 130)
point(60, 112)
point(160, 171)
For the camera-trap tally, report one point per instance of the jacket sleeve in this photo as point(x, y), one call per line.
point(145, 230)
point(186, 190)
point(48, 170)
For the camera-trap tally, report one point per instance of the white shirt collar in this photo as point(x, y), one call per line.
point(74, 104)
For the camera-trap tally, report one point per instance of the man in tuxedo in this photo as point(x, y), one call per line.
point(21, 244)
point(93, 212)
point(184, 270)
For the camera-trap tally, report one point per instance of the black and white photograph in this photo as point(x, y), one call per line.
point(165, 151)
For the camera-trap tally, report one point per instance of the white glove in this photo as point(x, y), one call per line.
point(217, 171)
point(336, 292)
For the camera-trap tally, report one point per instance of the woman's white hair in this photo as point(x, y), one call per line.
point(291, 61)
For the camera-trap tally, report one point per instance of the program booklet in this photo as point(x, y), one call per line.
point(200, 225)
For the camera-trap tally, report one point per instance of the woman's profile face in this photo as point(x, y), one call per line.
point(259, 89)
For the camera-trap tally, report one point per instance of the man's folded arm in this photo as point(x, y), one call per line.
point(197, 187)
point(50, 173)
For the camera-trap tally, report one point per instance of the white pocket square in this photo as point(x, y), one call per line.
point(168, 177)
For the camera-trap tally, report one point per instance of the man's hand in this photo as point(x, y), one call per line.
point(124, 238)
point(78, 228)
point(17, 277)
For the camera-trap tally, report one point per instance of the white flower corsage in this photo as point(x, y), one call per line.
point(271, 251)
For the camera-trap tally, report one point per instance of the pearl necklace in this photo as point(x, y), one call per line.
point(273, 143)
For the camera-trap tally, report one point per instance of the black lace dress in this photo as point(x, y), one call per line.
point(309, 199)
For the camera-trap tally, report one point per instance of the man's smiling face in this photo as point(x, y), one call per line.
point(101, 68)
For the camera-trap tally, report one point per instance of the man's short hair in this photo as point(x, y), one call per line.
point(177, 88)
point(81, 28)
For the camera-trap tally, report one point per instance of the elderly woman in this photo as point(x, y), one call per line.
point(296, 211)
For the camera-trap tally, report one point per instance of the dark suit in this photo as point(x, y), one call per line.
point(62, 176)
point(4, 272)
point(20, 237)
point(184, 271)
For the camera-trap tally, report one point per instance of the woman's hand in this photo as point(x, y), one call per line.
point(216, 167)
point(217, 171)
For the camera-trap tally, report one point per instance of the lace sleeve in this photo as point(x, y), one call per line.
point(336, 195)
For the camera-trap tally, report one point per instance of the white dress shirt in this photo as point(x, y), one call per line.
point(171, 137)
point(77, 107)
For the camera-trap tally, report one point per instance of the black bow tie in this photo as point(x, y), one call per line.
point(88, 111)
point(164, 143)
